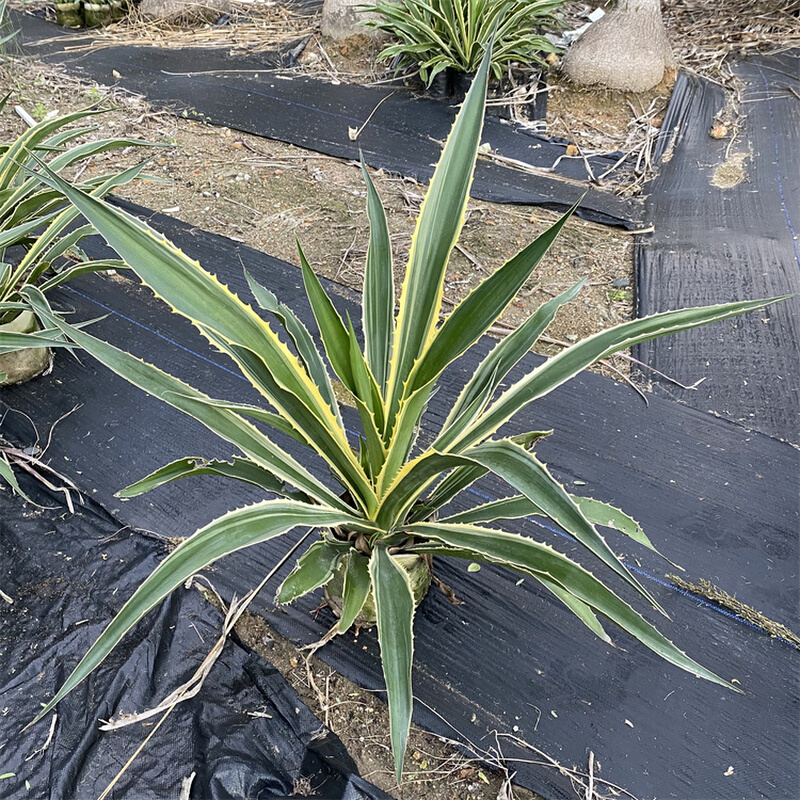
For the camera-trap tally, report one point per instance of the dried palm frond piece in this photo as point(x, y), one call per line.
point(704, 588)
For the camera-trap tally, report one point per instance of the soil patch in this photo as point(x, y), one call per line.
point(433, 769)
point(731, 173)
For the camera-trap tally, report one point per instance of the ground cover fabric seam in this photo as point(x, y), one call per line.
point(715, 241)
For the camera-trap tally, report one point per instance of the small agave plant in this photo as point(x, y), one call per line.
point(38, 235)
point(391, 505)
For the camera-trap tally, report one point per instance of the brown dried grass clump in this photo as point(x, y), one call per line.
point(253, 26)
point(705, 34)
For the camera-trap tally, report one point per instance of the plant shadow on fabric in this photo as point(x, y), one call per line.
point(390, 504)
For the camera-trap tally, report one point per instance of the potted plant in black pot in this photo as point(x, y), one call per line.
point(445, 40)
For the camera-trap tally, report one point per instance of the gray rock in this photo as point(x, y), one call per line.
point(341, 19)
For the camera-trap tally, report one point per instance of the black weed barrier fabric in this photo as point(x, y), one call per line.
point(718, 240)
point(404, 134)
point(245, 735)
point(718, 500)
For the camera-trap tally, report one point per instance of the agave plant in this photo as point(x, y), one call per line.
point(39, 242)
point(393, 490)
point(434, 35)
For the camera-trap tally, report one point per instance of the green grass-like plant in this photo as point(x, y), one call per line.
point(434, 35)
point(393, 492)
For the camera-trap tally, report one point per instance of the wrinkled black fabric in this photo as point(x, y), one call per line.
point(68, 575)
point(718, 500)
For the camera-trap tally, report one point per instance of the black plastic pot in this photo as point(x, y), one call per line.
point(439, 87)
point(451, 85)
point(460, 83)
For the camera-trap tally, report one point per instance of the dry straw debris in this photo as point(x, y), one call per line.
point(705, 34)
point(704, 588)
point(253, 26)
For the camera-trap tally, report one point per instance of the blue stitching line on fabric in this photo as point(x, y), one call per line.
point(156, 333)
point(685, 592)
point(475, 492)
point(237, 375)
point(778, 166)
